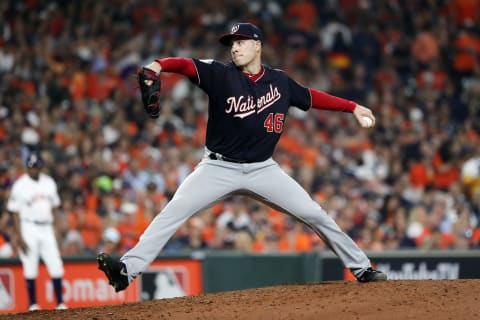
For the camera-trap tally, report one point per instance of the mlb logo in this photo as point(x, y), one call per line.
point(161, 283)
point(7, 287)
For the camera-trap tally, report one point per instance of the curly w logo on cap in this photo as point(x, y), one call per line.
point(242, 30)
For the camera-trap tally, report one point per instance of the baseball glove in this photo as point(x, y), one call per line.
point(150, 88)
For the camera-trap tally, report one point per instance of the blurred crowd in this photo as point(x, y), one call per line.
point(68, 89)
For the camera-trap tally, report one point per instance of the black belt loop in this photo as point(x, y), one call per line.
point(216, 156)
point(213, 156)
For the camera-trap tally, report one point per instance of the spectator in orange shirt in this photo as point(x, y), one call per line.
point(88, 223)
point(464, 12)
point(437, 240)
point(466, 52)
point(420, 172)
point(475, 240)
point(303, 13)
point(433, 76)
point(267, 240)
point(100, 85)
point(300, 238)
point(446, 170)
point(78, 85)
point(127, 226)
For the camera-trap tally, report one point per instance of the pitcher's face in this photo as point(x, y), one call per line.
point(244, 51)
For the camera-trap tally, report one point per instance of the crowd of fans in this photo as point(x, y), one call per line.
point(68, 89)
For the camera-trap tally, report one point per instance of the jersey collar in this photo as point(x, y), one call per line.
point(255, 77)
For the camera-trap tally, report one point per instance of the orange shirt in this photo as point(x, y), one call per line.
point(304, 13)
point(141, 222)
point(90, 227)
point(444, 177)
point(438, 81)
point(283, 244)
point(464, 11)
point(303, 242)
point(128, 236)
point(419, 176)
point(258, 246)
point(467, 49)
point(78, 86)
point(475, 240)
point(309, 156)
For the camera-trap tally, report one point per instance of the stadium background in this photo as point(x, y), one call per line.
point(67, 88)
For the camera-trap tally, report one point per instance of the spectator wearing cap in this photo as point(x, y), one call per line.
point(110, 241)
point(126, 226)
point(72, 244)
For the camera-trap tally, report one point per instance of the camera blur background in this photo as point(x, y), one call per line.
point(68, 89)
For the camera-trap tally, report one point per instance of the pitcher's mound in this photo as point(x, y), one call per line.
point(394, 299)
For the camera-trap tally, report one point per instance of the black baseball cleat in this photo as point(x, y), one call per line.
point(115, 271)
point(372, 275)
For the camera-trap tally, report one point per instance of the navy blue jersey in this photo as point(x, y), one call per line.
point(245, 118)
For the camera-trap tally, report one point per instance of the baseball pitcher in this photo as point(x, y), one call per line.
point(248, 104)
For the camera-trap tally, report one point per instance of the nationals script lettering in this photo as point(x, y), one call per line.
point(244, 106)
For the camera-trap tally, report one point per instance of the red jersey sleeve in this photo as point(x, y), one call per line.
point(183, 66)
point(325, 101)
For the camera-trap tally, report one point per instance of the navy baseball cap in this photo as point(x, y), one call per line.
point(243, 30)
point(34, 161)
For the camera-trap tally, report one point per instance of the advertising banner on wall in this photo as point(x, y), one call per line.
point(85, 286)
point(428, 267)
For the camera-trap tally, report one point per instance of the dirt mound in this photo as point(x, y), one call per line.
point(401, 299)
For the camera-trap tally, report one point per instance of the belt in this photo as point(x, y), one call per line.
point(217, 156)
point(38, 223)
